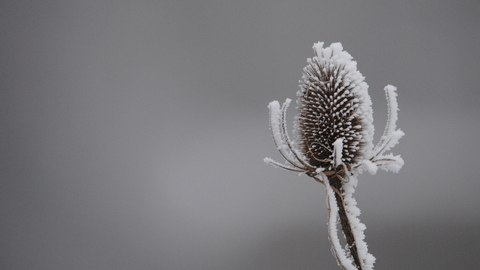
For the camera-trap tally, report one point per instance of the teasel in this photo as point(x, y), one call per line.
point(333, 142)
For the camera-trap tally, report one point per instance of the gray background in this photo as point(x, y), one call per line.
point(133, 133)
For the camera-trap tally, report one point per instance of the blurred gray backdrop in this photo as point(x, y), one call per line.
point(133, 132)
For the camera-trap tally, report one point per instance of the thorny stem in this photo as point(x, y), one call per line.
point(336, 182)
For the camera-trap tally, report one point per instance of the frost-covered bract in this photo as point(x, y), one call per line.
point(333, 142)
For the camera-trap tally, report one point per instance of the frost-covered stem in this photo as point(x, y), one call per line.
point(336, 183)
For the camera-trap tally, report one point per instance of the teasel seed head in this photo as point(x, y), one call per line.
point(334, 125)
point(333, 103)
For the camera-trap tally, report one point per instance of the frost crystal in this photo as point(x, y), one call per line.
point(333, 142)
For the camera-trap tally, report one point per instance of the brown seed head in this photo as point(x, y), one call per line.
point(330, 107)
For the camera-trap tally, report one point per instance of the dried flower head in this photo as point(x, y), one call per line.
point(333, 141)
point(333, 104)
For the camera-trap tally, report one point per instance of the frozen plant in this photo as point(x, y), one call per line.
point(333, 142)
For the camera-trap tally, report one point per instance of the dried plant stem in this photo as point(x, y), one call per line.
point(336, 183)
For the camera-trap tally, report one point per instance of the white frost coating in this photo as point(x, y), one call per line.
point(317, 47)
point(338, 148)
point(391, 141)
point(391, 95)
point(278, 165)
point(275, 116)
point(298, 157)
point(282, 141)
point(393, 107)
point(338, 251)
point(278, 135)
point(366, 259)
point(390, 163)
point(371, 167)
point(390, 137)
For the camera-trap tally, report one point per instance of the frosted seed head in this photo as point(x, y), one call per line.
point(332, 87)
